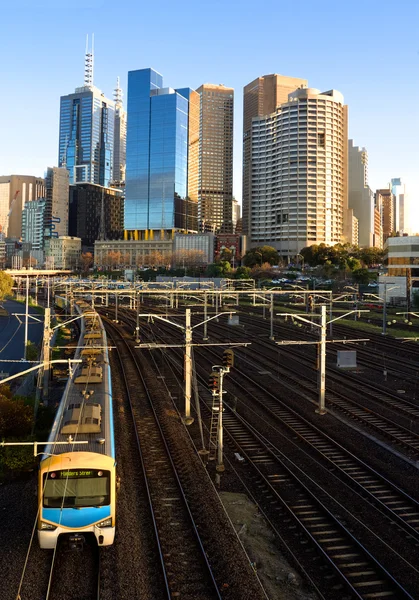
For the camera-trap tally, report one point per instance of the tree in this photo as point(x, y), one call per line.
point(260, 255)
point(86, 261)
point(15, 418)
point(6, 284)
point(242, 273)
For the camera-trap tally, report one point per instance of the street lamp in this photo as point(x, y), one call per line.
point(261, 256)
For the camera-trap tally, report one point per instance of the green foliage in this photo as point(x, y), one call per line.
point(261, 255)
point(214, 270)
point(242, 273)
point(6, 284)
point(15, 418)
point(342, 256)
point(361, 276)
point(17, 458)
point(31, 351)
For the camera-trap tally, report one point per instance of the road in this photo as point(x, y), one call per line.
point(12, 335)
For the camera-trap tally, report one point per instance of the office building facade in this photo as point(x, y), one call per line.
point(384, 198)
point(401, 213)
point(360, 195)
point(120, 138)
point(63, 252)
point(215, 183)
point(86, 136)
point(261, 97)
point(299, 159)
point(15, 192)
point(161, 192)
point(56, 195)
point(95, 213)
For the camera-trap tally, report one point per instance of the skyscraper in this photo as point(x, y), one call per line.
point(299, 159)
point(120, 137)
point(87, 132)
point(161, 192)
point(401, 220)
point(215, 179)
point(360, 195)
point(385, 199)
point(56, 194)
point(15, 191)
point(261, 97)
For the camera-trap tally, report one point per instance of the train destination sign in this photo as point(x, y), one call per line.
point(76, 474)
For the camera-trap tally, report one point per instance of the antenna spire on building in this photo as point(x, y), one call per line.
point(117, 96)
point(88, 62)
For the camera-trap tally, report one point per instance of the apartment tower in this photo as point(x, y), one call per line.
point(215, 171)
point(261, 97)
point(360, 195)
point(299, 159)
point(161, 192)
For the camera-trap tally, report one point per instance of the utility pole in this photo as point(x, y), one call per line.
point(188, 367)
point(321, 410)
point(322, 374)
point(26, 317)
point(271, 337)
point(46, 351)
point(137, 325)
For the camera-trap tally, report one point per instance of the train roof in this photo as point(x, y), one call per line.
point(85, 411)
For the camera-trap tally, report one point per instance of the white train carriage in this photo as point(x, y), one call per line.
point(77, 482)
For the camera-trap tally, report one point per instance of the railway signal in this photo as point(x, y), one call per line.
point(228, 359)
point(214, 382)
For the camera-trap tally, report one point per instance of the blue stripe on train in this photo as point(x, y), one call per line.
point(76, 517)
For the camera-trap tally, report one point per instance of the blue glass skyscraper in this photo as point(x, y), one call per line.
point(162, 158)
point(86, 136)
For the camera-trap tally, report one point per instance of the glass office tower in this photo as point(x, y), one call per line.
point(86, 136)
point(162, 158)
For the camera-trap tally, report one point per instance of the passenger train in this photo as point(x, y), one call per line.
point(77, 482)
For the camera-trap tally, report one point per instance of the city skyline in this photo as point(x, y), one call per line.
point(357, 67)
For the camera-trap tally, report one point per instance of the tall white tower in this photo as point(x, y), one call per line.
point(120, 136)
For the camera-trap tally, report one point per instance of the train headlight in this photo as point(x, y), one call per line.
point(47, 526)
point(105, 523)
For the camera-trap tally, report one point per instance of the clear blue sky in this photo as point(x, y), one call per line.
point(368, 50)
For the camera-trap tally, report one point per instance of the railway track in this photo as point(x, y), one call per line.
point(186, 570)
point(358, 569)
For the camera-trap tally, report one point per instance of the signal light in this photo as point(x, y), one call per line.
point(214, 382)
point(228, 358)
point(310, 301)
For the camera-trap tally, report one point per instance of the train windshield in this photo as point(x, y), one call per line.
point(76, 488)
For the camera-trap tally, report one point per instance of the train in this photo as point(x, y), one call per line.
point(77, 477)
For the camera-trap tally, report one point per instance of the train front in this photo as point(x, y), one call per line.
point(77, 495)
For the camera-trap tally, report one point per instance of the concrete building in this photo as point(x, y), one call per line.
point(385, 199)
point(15, 191)
point(360, 195)
point(161, 192)
point(56, 195)
point(192, 250)
point(378, 221)
point(95, 213)
point(63, 252)
point(132, 253)
point(120, 137)
point(299, 159)
point(215, 168)
point(263, 96)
